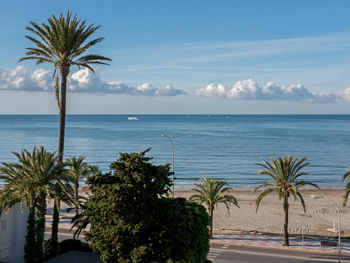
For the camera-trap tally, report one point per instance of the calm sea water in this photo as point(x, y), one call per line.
point(222, 146)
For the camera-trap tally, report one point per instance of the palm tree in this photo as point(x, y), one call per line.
point(78, 170)
point(284, 172)
point(63, 42)
point(213, 192)
point(30, 182)
point(346, 178)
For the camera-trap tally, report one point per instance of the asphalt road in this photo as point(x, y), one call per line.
point(241, 254)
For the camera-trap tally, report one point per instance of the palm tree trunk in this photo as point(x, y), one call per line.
point(54, 228)
point(285, 226)
point(40, 227)
point(64, 71)
point(29, 247)
point(76, 196)
point(211, 212)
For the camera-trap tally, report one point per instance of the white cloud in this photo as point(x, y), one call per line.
point(21, 79)
point(82, 80)
point(345, 94)
point(250, 90)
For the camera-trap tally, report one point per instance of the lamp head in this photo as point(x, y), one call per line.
point(164, 135)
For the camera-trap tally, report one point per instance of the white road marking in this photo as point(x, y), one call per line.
point(213, 254)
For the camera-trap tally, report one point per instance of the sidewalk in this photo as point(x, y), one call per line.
point(76, 257)
point(275, 241)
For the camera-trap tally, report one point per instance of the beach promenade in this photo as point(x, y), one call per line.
point(312, 244)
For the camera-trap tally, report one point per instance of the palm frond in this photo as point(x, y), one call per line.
point(346, 194)
point(57, 92)
point(261, 196)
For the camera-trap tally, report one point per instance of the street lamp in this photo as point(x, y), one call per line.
point(339, 220)
point(172, 150)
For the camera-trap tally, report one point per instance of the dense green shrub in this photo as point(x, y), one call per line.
point(131, 222)
point(183, 231)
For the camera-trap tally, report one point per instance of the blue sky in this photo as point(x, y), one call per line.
point(189, 57)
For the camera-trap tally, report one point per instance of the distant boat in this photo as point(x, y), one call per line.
point(133, 118)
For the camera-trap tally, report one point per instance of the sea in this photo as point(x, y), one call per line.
point(227, 147)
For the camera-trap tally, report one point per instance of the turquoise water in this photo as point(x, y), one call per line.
point(221, 146)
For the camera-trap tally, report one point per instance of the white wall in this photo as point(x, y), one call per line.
point(12, 235)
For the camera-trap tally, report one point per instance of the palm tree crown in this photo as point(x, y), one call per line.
point(212, 192)
point(63, 42)
point(284, 172)
point(35, 173)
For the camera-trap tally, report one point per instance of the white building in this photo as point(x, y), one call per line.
point(13, 230)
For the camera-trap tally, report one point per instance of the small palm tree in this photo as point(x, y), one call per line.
point(284, 172)
point(213, 192)
point(63, 42)
point(78, 170)
point(346, 178)
point(30, 182)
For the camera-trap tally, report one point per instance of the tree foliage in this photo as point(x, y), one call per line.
point(63, 42)
point(131, 221)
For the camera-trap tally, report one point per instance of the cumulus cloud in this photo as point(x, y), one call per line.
point(345, 94)
point(21, 79)
point(83, 80)
point(250, 90)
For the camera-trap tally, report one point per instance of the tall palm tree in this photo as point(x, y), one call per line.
point(213, 192)
point(78, 170)
point(31, 181)
point(63, 42)
point(346, 178)
point(284, 172)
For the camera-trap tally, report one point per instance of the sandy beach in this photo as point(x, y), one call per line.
point(320, 213)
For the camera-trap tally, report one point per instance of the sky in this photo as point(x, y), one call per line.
point(188, 57)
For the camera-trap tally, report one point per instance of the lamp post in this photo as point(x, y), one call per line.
point(339, 220)
point(172, 151)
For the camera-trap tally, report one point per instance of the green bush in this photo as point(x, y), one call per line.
point(131, 223)
point(183, 231)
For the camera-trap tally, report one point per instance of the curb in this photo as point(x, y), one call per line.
point(279, 248)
